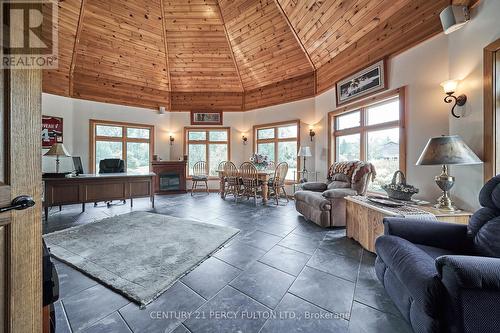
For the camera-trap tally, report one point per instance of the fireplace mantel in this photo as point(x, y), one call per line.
point(170, 176)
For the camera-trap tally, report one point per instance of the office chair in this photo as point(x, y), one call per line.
point(111, 165)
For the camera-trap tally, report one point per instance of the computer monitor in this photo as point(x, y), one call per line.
point(77, 162)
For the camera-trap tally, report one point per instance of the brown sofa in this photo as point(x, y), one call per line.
point(323, 203)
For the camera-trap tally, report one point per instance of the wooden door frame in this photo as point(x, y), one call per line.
point(490, 109)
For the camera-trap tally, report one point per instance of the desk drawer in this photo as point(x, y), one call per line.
point(140, 188)
point(62, 194)
point(104, 191)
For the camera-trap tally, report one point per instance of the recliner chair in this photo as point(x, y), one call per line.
point(445, 277)
point(323, 202)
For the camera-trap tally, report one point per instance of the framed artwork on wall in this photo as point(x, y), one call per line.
point(52, 131)
point(206, 117)
point(363, 83)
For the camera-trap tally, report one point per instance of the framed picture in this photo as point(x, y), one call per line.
point(52, 131)
point(363, 83)
point(206, 117)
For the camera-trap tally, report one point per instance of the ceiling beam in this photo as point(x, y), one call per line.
point(285, 17)
point(165, 45)
point(231, 51)
point(75, 47)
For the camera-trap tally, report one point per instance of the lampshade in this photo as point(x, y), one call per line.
point(304, 152)
point(449, 86)
point(57, 149)
point(445, 150)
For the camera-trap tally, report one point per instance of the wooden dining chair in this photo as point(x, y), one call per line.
point(233, 184)
point(277, 182)
point(200, 176)
point(219, 168)
point(250, 181)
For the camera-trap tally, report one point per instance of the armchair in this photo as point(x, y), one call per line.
point(323, 203)
point(445, 277)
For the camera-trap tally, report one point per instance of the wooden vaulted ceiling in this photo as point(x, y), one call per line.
point(229, 55)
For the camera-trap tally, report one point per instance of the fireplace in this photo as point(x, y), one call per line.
point(170, 176)
point(170, 181)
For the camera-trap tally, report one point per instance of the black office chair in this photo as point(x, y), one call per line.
point(111, 165)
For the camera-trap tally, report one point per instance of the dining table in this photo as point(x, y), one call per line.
point(262, 175)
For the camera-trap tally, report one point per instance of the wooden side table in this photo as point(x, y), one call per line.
point(364, 221)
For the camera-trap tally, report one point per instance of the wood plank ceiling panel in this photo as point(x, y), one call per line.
point(120, 56)
point(281, 92)
point(326, 28)
point(56, 81)
point(414, 23)
point(228, 55)
point(200, 58)
point(264, 46)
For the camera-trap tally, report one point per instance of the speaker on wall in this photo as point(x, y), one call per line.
point(454, 17)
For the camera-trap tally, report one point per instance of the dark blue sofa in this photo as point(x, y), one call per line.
point(445, 277)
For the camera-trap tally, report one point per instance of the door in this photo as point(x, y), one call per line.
point(20, 174)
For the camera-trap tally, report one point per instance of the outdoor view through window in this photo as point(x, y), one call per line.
point(279, 143)
point(130, 143)
point(372, 134)
point(208, 145)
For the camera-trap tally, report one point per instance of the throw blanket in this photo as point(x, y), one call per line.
point(354, 170)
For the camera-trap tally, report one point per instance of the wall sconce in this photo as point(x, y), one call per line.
point(449, 88)
point(311, 133)
point(245, 139)
point(172, 139)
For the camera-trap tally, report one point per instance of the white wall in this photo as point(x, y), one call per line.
point(420, 69)
point(466, 63)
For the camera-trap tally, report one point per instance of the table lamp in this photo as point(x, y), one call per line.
point(304, 152)
point(57, 150)
point(447, 150)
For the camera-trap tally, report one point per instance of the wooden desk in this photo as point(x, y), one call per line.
point(263, 175)
point(364, 221)
point(97, 187)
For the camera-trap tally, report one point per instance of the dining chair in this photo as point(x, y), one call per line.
point(233, 184)
point(277, 182)
point(220, 167)
point(250, 180)
point(199, 176)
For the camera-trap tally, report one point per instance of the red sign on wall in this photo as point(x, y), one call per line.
point(52, 131)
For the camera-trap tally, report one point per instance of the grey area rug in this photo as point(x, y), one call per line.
point(138, 254)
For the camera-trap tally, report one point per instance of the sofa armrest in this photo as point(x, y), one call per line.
point(449, 236)
point(412, 267)
point(469, 272)
point(314, 186)
point(339, 193)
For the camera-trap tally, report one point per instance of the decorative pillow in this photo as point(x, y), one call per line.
point(338, 184)
point(338, 193)
point(340, 177)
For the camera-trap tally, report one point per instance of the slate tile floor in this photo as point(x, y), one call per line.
point(280, 274)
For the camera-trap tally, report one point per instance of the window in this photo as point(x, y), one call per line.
point(372, 132)
point(210, 145)
point(132, 143)
point(280, 142)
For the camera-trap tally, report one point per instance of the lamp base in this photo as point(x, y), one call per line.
point(445, 183)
